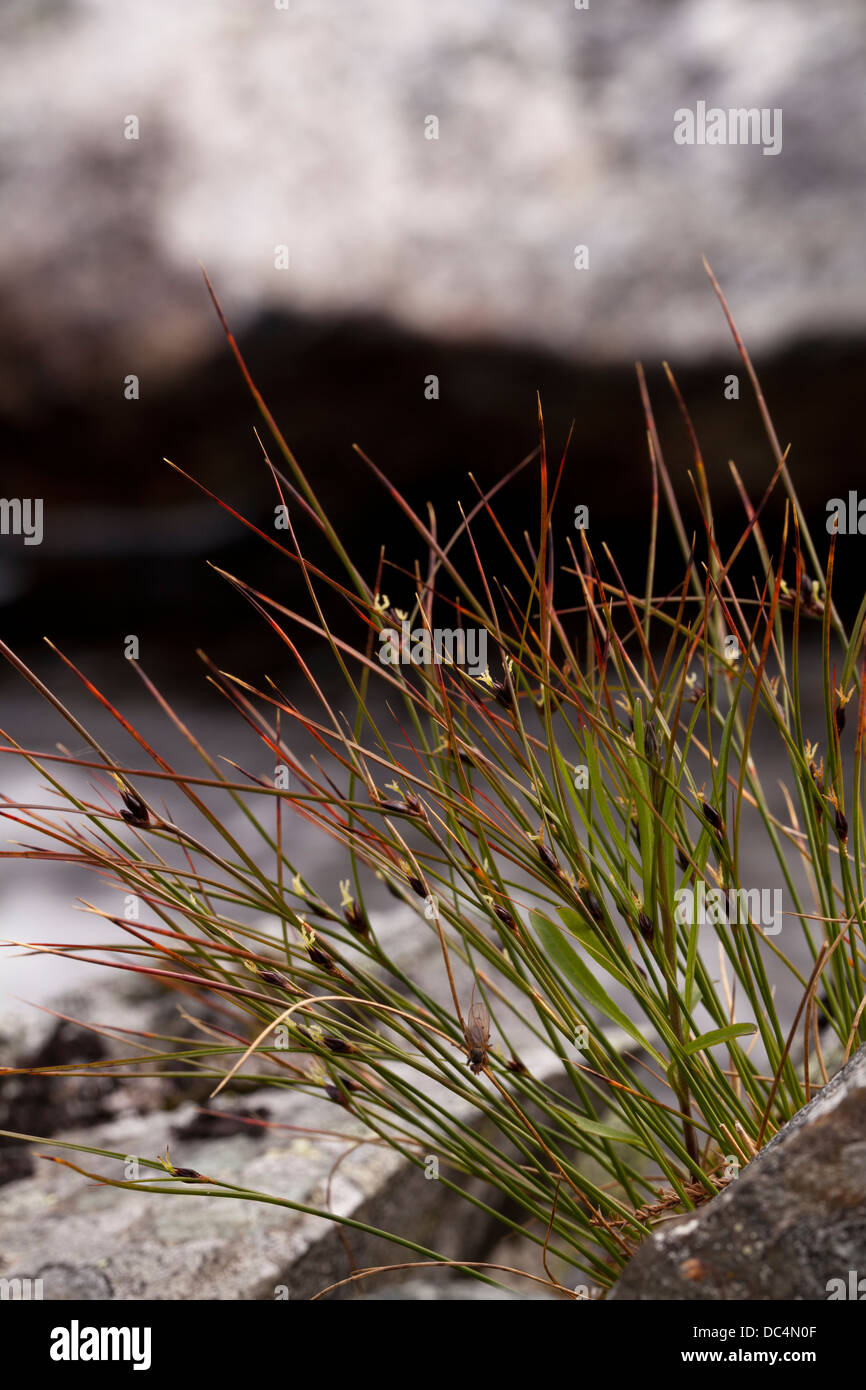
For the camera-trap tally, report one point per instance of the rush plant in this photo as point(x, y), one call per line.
point(584, 1055)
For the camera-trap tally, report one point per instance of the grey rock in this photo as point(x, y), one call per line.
point(94, 1242)
point(86, 1241)
point(792, 1222)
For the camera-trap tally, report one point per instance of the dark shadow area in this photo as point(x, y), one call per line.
point(126, 539)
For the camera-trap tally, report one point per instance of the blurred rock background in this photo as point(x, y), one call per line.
point(306, 126)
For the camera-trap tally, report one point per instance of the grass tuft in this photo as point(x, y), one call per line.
point(581, 1055)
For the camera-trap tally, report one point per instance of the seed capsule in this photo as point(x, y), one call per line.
point(645, 927)
point(547, 858)
point(356, 919)
point(505, 917)
point(502, 694)
point(271, 977)
point(410, 807)
point(317, 955)
point(713, 819)
point(593, 907)
point(841, 826)
point(341, 1092)
point(165, 1160)
point(136, 812)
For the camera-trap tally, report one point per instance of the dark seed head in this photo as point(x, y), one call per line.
point(270, 977)
point(185, 1173)
point(593, 906)
point(713, 818)
point(839, 715)
point(645, 926)
point(516, 1066)
point(841, 826)
point(356, 919)
point(136, 812)
point(338, 1045)
point(418, 886)
point(502, 694)
point(410, 807)
point(547, 858)
point(340, 1093)
point(505, 917)
point(319, 957)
